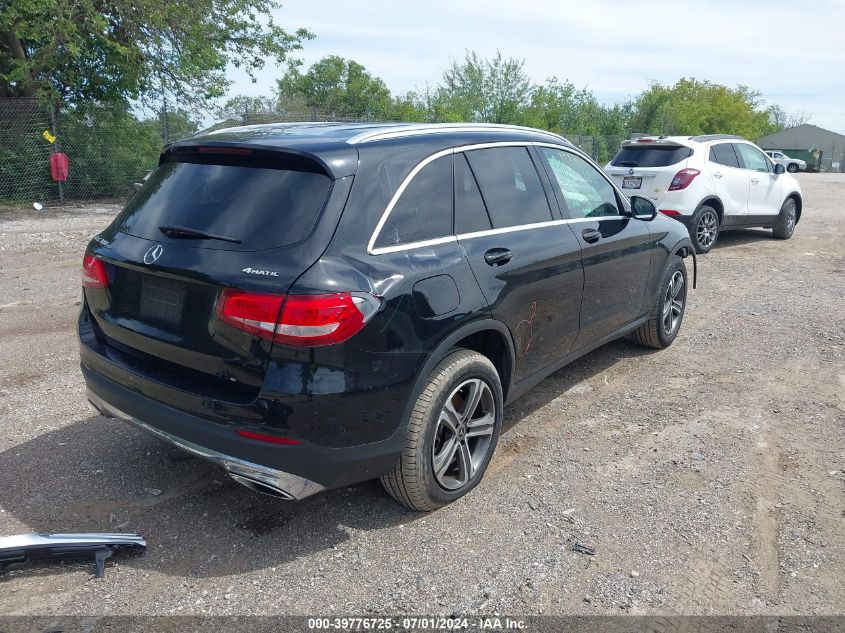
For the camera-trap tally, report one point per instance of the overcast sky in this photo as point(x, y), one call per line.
point(791, 51)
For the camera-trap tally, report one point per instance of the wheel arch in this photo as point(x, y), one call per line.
point(488, 337)
point(799, 203)
point(716, 203)
point(684, 249)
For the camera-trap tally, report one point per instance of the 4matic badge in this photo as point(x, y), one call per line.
point(254, 271)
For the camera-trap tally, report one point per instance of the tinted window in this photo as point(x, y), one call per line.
point(259, 206)
point(752, 157)
point(470, 211)
point(510, 186)
point(723, 154)
point(650, 156)
point(586, 192)
point(424, 210)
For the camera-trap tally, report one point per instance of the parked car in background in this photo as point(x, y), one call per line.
point(792, 164)
point(709, 183)
point(310, 306)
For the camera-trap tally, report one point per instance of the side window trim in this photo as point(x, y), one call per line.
point(545, 180)
point(739, 157)
point(462, 154)
point(373, 250)
point(552, 189)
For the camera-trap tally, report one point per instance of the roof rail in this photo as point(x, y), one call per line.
point(703, 138)
point(440, 128)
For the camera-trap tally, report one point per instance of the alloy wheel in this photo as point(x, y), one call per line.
point(463, 434)
point(673, 303)
point(705, 230)
point(790, 218)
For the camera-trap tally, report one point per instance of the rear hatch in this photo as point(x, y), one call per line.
point(207, 219)
point(646, 166)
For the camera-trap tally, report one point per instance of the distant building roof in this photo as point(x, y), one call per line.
point(803, 125)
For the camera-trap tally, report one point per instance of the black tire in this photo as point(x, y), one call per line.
point(704, 229)
point(792, 168)
point(412, 482)
point(654, 332)
point(787, 219)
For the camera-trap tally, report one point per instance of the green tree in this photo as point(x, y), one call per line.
point(413, 107)
point(120, 50)
point(700, 107)
point(493, 90)
point(246, 110)
point(337, 86)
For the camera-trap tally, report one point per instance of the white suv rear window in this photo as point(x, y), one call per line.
point(650, 155)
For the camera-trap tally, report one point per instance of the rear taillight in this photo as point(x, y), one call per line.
point(256, 313)
point(94, 273)
point(682, 179)
point(297, 319)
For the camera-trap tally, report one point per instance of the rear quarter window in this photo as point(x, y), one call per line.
point(423, 210)
point(723, 153)
point(258, 204)
point(650, 156)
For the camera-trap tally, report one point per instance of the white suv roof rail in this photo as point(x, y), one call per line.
point(439, 128)
point(703, 138)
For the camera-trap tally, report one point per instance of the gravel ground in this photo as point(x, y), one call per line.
point(708, 477)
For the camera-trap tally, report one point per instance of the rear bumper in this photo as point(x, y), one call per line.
point(289, 472)
point(261, 478)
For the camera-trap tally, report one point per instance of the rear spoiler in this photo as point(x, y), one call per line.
point(651, 140)
point(28, 547)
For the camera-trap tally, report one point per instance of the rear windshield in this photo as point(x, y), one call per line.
point(650, 155)
point(253, 203)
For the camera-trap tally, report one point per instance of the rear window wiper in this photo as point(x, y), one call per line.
point(628, 163)
point(185, 233)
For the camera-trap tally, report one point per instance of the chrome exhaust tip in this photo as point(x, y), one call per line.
point(262, 487)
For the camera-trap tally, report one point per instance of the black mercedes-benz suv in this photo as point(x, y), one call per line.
point(313, 305)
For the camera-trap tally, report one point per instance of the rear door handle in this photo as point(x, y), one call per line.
point(497, 256)
point(591, 236)
point(717, 174)
point(755, 180)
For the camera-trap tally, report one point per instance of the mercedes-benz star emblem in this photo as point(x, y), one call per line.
point(630, 172)
point(153, 254)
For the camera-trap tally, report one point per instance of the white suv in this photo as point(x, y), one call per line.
point(710, 183)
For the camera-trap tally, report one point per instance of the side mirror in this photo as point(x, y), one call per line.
point(779, 169)
point(643, 208)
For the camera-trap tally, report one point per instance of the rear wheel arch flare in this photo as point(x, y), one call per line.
point(714, 202)
point(493, 345)
point(451, 342)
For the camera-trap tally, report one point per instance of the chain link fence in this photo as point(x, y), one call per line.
point(110, 148)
